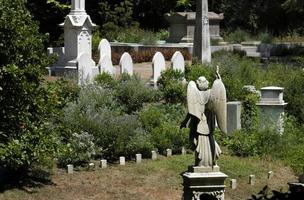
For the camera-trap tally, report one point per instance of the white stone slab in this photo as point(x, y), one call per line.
point(126, 64)
point(233, 184)
point(70, 169)
point(138, 158)
point(159, 65)
point(85, 66)
point(178, 61)
point(104, 48)
point(122, 160)
point(252, 179)
point(169, 152)
point(103, 164)
point(106, 65)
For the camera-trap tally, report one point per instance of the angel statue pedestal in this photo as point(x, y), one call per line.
point(204, 180)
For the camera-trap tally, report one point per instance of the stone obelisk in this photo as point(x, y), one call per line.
point(201, 43)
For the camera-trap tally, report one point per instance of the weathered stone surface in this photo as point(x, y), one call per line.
point(178, 61)
point(91, 166)
point(158, 65)
point(270, 174)
point(106, 66)
point(201, 49)
point(126, 64)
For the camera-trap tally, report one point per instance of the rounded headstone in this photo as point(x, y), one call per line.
point(178, 61)
point(104, 48)
point(159, 65)
point(106, 65)
point(126, 64)
point(85, 66)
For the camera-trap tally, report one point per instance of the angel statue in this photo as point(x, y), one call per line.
point(204, 107)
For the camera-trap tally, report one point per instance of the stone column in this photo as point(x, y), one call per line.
point(201, 43)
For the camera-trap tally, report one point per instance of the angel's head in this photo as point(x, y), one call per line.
point(202, 83)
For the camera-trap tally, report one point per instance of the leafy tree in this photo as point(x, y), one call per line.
point(25, 138)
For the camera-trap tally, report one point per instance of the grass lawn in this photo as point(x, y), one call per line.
point(151, 180)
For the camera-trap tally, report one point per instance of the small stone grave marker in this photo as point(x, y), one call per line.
point(104, 48)
point(103, 164)
point(178, 61)
point(122, 160)
point(70, 169)
point(252, 179)
point(169, 152)
point(154, 155)
point(106, 65)
point(233, 184)
point(126, 64)
point(158, 65)
point(138, 158)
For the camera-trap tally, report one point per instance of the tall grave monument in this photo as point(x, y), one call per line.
point(77, 41)
point(204, 180)
point(201, 49)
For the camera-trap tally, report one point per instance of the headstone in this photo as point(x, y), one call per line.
point(201, 48)
point(104, 48)
point(122, 160)
point(159, 65)
point(126, 64)
point(233, 116)
point(169, 152)
point(154, 155)
point(106, 65)
point(85, 69)
point(184, 152)
point(252, 179)
point(178, 61)
point(91, 166)
point(270, 174)
point(271, 107)
point(103, 164)
point(138, 158)
point(233, 184)
point(70, 169)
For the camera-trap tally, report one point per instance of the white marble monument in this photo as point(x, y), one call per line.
point(78, 28)
point(85, 67)
point(126, 64)
point(158, 65)
point(201, 48)
point(178, 61)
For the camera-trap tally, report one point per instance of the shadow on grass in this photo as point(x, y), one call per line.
point(27, 182)
point(295, 193)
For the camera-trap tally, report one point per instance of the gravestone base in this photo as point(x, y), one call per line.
point(206, 185)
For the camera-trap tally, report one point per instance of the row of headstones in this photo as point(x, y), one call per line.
point(122, 160)
point(126, 62)
point(251, 180)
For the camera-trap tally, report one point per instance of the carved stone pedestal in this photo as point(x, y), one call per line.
point(207, 185)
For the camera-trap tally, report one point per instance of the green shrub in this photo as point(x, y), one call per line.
point(237, 36)
point(78, 150)
point(265, 38)
point(169, 136)
point(105, 80)
point(133, 93)
point(249, 114)
point(26, 139)
point(172, 86)
point(151, 117)
point(193, 72)
point(115, 134)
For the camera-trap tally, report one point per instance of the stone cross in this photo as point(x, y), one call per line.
point(201, 49)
